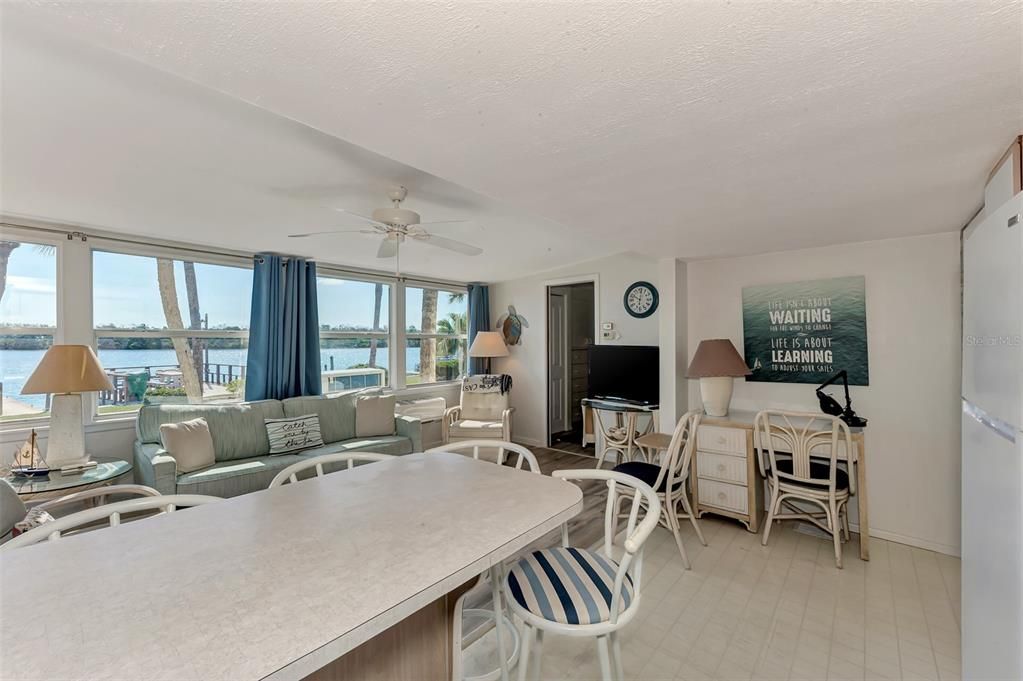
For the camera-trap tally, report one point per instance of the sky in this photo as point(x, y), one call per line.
point(125, 294)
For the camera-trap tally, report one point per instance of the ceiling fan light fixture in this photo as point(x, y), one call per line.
point(396, 216)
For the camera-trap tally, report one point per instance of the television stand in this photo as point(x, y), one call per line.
point(613, 425)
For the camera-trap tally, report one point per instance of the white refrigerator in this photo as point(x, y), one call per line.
point(992, 465)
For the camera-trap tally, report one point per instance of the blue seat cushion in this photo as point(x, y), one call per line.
point(819, 470)
point(567, 585)
point(647, 472)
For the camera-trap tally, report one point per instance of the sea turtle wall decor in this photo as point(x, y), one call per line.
point(511, 324)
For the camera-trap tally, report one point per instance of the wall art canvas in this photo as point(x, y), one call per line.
point(805, 331)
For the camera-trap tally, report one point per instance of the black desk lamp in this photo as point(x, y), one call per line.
point(829, 405)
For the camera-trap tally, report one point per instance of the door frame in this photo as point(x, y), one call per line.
point(547, 285)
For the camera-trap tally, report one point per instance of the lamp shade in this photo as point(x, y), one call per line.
point(488, 344)
point(717, 357)
point(67, 369)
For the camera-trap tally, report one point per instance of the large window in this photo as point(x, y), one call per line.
point(436, 331)
point(354, 327)
point(28, 322)
point(169, 330)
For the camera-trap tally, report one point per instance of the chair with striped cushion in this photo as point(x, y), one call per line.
point(579, 592)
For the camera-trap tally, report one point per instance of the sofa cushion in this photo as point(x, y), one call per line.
point(231, 478)
point(238, 430)
point(190, 443)
point(384, 444)
point(374, 415)
point(473, 429)
point(337, 414)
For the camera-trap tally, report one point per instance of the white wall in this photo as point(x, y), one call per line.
point(527, 363)
point(673, 339)
point(913, 400)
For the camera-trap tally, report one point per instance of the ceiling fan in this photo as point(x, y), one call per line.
point(396, 225)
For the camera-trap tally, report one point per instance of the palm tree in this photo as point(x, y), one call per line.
point(378, 294)
point(456, 324)
point(194, 317)
point(428, 346)
point(5, 257)
point(172, 313)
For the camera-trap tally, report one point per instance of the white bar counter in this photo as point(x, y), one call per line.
point(270, 585)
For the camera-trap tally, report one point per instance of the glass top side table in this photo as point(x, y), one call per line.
point(105, 472)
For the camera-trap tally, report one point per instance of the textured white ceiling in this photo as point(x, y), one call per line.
point(690, 129)
point(90, 137)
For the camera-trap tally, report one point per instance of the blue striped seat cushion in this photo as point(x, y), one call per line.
point(567, 585)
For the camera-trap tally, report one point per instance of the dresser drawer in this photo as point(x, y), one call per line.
point(721, 467)
point(723, 440)
point(723, 495)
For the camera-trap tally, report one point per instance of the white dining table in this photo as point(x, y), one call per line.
point(314, 579)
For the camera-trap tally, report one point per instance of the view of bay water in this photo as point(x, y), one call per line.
point(17, 365)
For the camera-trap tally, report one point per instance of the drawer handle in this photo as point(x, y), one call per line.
point(721, 467)
point(721, 439)
point(721, 496)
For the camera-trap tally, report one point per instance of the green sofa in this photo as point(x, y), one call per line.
point(243, 463)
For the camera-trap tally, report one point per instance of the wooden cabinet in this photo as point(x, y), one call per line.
point(727, 476)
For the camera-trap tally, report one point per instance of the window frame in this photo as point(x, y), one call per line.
point(386, 336)
point(26, 235)
point(405, 335)
point(75, 319)
point(175, 255)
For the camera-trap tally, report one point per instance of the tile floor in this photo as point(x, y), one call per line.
point(782, 612)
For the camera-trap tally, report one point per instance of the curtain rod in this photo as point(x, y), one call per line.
point(74, 231)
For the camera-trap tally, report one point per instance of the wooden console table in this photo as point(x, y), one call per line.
point(727, 474)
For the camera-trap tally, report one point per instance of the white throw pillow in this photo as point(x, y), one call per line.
point(374, 415)
point(190, 443)
point(294, 434)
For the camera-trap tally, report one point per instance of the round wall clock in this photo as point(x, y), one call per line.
point(641, 299)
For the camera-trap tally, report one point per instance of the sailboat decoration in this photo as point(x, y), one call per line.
point(27, 459)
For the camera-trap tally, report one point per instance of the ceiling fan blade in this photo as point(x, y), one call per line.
point(448, 244)
point(388, 248)
point(334, 231)
point(443, 222)
point(362, 217)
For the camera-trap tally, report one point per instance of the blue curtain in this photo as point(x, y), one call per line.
point(479, 320)
point(284, 330)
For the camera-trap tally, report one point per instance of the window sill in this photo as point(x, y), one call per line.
point(25, 425)
point(19, 430)
point(427, 387)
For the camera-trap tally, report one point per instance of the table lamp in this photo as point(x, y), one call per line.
point(717, 363)
point(488, 344)
point(66, 371)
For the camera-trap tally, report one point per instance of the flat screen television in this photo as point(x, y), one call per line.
point(624, 372)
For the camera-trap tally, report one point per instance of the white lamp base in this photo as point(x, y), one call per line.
point(65, 445)
point(716, 393)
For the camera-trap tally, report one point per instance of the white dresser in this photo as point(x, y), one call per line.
point(727, 477)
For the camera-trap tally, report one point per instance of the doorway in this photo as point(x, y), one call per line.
point(571, 328)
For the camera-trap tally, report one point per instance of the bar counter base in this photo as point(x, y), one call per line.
point(419, 648)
